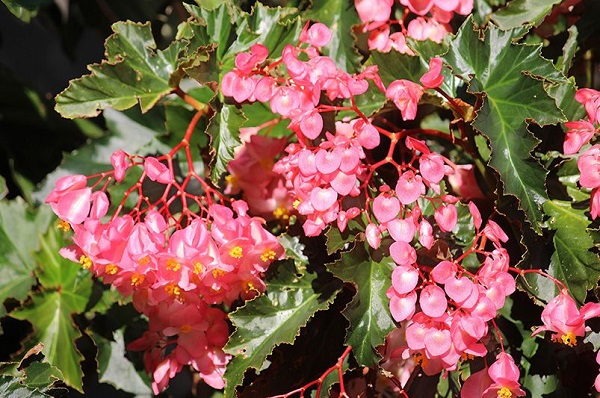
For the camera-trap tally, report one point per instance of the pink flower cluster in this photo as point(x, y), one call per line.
point(320, 177)
point(580, 133)
point(398, 212)
point(172, 272)
point(428, 20)
point(448, 310)
point(251, 172)
point(297, 97)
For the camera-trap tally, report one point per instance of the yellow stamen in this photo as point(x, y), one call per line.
point(281, 213)
point(185, 328)
point(198, 268)
point(85, 262)
point(569, 339)
point(268, 255)
point(236, 252)
point(137, 279)
point(173, 290)
point(504, 393)
point(144, 260)
point(249, 286)
point(232, 181)
point(296, 204)
point(111, 269)
point(172, 265)
point(420, 359)
point(63, 226)
point(218, 272)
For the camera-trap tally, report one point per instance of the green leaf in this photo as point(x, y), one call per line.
point(66, 291)
point(508, 77)
point(568, 175)
point(19, 231)
point(3, 188)
point(574, 263)
point(224, 128)
point(259, 113)
point(272, 27)
point(130, 131)
point(41, 375)
point(569, 50)
point(134, 72)
point(340, 16)
point(11, 387)
point(520, 12)
point(114, 368)
point(338, 240)
point(271, 319)
point(25, 10)
point(293, 249)
point(368, 312)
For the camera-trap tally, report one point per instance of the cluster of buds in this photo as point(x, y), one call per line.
point(175, 267)
point(427, 20)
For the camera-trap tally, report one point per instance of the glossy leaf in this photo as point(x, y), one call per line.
point(368, 312)
point(11, 387)
point(114, 367)
point(20, 228)
point(509, 77)
point(25, 10)
point(271, 319)
point(224, 128)
point(574, 263)
point(338, 240)
point(66, 291)
point(134, 72)
point(520, 12)
point(340, 16)
point(128, 131)
point(41, 375)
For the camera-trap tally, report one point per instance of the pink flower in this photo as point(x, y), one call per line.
point(419, 7)
point(595, 203)
point(579, 134)
point(317, 35)
point(562, 316)
point(589, 166)
point(433, 301)
point(405, 95)
point(373, 235)
point(71, 199)
point(433, 78)
point(119, 161)
point(385, 208)
point(246, 62)
point(591, 101)
point(446, 216)
point(377, 11)
point(423, 29)
point(158, 171)
point(409, 187)
point(505, 376)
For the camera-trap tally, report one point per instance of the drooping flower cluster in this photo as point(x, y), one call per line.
point(578, 135)
point(174, 272)
point(321, 177)
point(427, 20)
point(447, 307)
